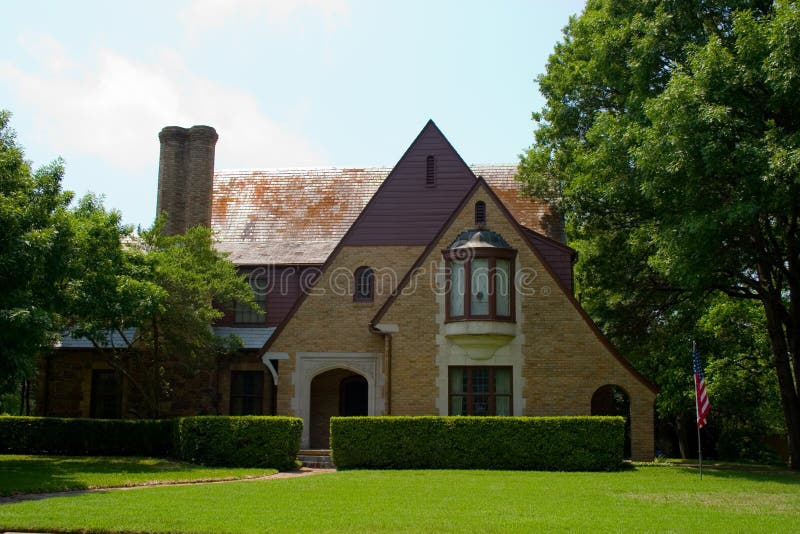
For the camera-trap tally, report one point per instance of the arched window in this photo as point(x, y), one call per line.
point(365, 285)
point(480, 213)
point(430, 171)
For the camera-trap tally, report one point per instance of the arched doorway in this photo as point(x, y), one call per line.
point(613, 400)
point(335, 392)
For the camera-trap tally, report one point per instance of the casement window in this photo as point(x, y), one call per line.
point(106, 399)
point(480, 390)
point(244, 314)
point(481, 285)
point(247, 392)
point(364, 285)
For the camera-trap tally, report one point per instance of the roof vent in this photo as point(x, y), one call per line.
point(480, 214)
point(430, 171)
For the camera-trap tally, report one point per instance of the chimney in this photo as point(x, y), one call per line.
point(185, 176)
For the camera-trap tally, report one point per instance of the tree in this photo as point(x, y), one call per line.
point(34, 236)
point(147, 301)
point(670, 141)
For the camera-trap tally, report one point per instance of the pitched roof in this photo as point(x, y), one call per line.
point(297, 216)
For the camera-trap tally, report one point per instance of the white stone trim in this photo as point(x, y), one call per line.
point(448, 353)
point(271, 368)
point(310, 364)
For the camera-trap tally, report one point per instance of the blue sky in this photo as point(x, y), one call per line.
point(284, 82)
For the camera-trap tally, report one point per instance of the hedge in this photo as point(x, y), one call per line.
point(543, 443)
point(107, 437)
point(248, 441)
point(245, 441)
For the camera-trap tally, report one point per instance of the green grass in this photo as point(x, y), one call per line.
point(37, 474)
point(645, 499)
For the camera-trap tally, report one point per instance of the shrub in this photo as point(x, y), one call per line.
point(547, 443)
point(247, 441)
point(110, 437)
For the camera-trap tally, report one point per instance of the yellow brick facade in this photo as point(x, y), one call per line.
point(563, 360)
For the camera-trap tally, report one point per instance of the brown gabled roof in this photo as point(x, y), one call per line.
point(297, 216)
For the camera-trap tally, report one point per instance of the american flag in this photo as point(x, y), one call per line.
point(700, 395)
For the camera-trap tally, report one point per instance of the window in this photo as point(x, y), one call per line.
point(244, 314)
point(106, 397)
point(430, 171)
point(480, 391)
point(365, 285)
point(247, 392)
point(480, 213)
point(482, 285)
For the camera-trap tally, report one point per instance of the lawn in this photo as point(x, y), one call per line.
point(645, 499)
point(27, 473)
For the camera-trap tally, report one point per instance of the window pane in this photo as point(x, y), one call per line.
point(479, 298)
point(245, 314)
point(502, 406)
point(458, 380)
point(456, 289)
point(458, 405)
point(480, 405)
point(247, 392)
point(480, 380)
point(501, 287)
point(502, 380)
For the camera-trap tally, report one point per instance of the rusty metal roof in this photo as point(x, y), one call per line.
point(297, 216)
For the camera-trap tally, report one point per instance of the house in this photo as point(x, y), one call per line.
point(431, 288)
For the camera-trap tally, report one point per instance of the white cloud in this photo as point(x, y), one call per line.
point(113, 108)
point(203, 15)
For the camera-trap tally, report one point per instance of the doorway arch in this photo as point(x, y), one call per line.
point(335, 392)
point(614, 400)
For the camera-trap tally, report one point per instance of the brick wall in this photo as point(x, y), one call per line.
point(563, 360)
point(65, 385)
point(329, 321)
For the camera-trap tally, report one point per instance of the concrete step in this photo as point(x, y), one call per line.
point(316, 458)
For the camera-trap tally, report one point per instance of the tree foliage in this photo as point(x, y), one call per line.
point(34, 240)
point(670, 141)
point(142, 299)
point(148, 300)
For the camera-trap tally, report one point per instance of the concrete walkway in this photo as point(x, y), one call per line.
point(302, 472)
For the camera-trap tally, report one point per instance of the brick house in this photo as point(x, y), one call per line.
point(431, 288)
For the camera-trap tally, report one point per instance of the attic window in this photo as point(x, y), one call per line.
point(365, 284)
point(430, 171)
point(480, 213)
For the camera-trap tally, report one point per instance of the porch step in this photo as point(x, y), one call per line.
point(316, 458)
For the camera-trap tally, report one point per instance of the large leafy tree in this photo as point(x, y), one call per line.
point(34, 239)
point(148, 301)
point(144, 300)
point(670, 141)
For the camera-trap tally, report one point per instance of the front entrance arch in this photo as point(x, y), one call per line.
point(311, 366)
point(338, 392)
point(613, 400)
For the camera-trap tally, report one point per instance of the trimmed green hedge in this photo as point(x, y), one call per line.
point(106, 437)
point(249, 441)
point(546, 443)
point(246, 441)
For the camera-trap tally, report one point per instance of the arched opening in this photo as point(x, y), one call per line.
point(613, 400)
point(334, 393)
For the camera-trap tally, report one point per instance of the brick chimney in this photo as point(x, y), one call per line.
point(185, 176)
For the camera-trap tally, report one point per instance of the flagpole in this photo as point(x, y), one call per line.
point(697, 414)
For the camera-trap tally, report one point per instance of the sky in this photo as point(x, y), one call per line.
point(286, 83)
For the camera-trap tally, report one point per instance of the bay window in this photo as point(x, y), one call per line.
point(481, 285)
